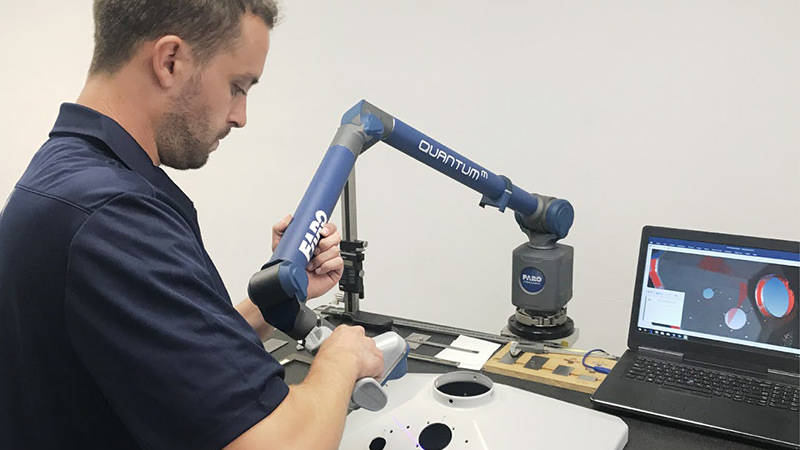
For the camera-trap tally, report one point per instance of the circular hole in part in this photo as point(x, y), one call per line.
point(463, 388)
point(435, 436)
point(377, 444)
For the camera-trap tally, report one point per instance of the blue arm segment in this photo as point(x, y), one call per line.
point(447, 161)
point(303, 234)
point(281, 306)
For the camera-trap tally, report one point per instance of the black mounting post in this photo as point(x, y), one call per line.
point(352, 250)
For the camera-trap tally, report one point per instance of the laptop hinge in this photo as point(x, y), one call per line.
point(785, 374)
point(660, 353)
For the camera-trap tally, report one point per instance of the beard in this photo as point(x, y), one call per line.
point(184, 136)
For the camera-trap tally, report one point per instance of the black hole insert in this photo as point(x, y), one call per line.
point(463, 388)
point(377, 444)
point(435, 436)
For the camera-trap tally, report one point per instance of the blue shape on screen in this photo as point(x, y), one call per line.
point(708, 293)
point(776, 297)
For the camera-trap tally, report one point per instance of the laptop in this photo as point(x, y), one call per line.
point(714, 337)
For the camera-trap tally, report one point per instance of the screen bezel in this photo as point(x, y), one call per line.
point(694, 348)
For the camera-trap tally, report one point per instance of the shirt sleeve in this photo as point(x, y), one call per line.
point(172, 356)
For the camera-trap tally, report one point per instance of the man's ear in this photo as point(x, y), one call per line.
point(171, 60)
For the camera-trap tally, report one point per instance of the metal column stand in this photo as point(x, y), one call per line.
point(352, 250)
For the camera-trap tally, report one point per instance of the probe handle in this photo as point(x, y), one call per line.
point(368, 393)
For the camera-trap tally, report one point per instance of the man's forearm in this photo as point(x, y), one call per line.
point(326, 391)
point(253, 316)
point(311, 416)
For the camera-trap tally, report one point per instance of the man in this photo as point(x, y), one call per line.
point(115, 328)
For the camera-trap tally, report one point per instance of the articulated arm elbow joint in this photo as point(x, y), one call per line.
point(362, 126)
point(279, 290)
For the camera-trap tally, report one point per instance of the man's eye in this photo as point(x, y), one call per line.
point(236, 90)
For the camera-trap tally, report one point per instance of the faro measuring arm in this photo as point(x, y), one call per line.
point(280, 288)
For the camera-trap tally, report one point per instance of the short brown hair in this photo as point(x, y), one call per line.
point(207, 25)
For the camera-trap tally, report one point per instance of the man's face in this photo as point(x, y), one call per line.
point(213, 101)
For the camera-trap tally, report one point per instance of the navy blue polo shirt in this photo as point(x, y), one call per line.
point(116, 330)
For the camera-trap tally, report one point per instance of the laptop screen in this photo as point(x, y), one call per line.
point(707, 291)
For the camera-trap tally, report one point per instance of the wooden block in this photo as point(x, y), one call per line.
point(545, 375)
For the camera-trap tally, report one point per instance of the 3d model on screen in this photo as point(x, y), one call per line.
point(733, 298)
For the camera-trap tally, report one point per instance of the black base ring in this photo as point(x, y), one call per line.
point(535, 333)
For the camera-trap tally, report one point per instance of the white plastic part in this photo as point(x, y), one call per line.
point(503, 418)
point(462, 401)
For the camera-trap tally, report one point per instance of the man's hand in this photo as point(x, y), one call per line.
point(325, 269)
point(349, 349)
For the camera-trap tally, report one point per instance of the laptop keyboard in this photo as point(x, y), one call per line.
point(710, 383)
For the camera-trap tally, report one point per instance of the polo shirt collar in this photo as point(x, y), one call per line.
point(81, 120)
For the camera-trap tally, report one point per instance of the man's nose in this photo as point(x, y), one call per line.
point(238, 114)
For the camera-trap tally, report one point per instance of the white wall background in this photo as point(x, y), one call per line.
point(675, 113)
